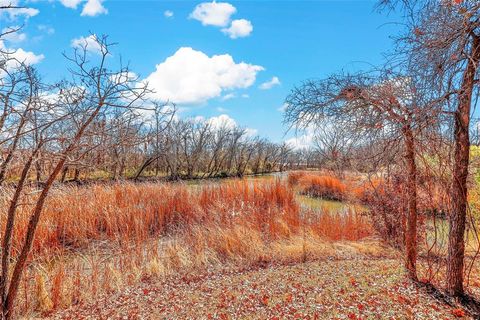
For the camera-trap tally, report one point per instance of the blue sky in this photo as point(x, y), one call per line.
point(281, 42)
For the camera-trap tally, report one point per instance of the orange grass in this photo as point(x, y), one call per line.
point(107, 236)
point(319, 185)
point(295, 176)
point(73, 216)
point(351, 225)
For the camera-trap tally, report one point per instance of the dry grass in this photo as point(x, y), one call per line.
point(100, 238)
point(295, 176)
point(319, 184)
point(332, 289)
point(326, 187)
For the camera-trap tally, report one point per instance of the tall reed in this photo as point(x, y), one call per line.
point(98, 238)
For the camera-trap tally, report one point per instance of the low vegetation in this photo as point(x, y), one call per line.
point(316, 185)
point(118, 234)
point(364, 289)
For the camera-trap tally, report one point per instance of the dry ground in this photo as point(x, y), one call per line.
point(328, 289)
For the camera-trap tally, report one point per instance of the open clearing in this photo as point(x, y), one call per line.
point(326, 289)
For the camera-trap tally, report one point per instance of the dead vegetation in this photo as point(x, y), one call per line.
point(119, 234)
point(328, 289)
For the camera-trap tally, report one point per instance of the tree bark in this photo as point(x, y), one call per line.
point(9, 299)
point(456, 236)
point(411, 228)
point(145, 164)
point(9, 226)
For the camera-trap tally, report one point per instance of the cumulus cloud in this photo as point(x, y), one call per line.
point(27, 57)
point(88, 42)
point(12, 34)
point(238, 29)
point(93, 8)
point(17, 12)
point(168, 14)
point(72, 4)
point(192, 77)
point(20, 55)
point(270, 84)
point(213, 13)
point(223, 121)
point(219, 14)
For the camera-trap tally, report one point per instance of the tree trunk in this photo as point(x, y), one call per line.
point(8, 301)
point(9, 226)
point(456, 236)
point(411, 230)
point(38, 172)
point(145, 164)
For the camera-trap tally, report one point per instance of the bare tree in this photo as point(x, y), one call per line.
point(334, 145)
point(75, 105)
point(442, 44)
point(163, 118)
point(382, 105)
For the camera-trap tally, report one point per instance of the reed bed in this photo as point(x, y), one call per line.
point(99, 238)
point(317, 184)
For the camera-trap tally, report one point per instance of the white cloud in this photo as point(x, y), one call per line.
point(228, 96)
point(223, 121)
point(11, 35)
point(213, 13)
point(88, 42)
point(15, 12)
point(300, 142)
point(221, 109)
point(123, 77)
point(238, 29)
point(304, 141)
point(72, 4)
point(93, 8)
point(219, 14)
point(168, 14)
point(191, 77)
point(270, 84)
point(245, 95)
point(251, 132)
point(20, 55)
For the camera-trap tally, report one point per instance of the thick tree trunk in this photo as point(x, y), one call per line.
point(456, 237)
point(411, 228)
